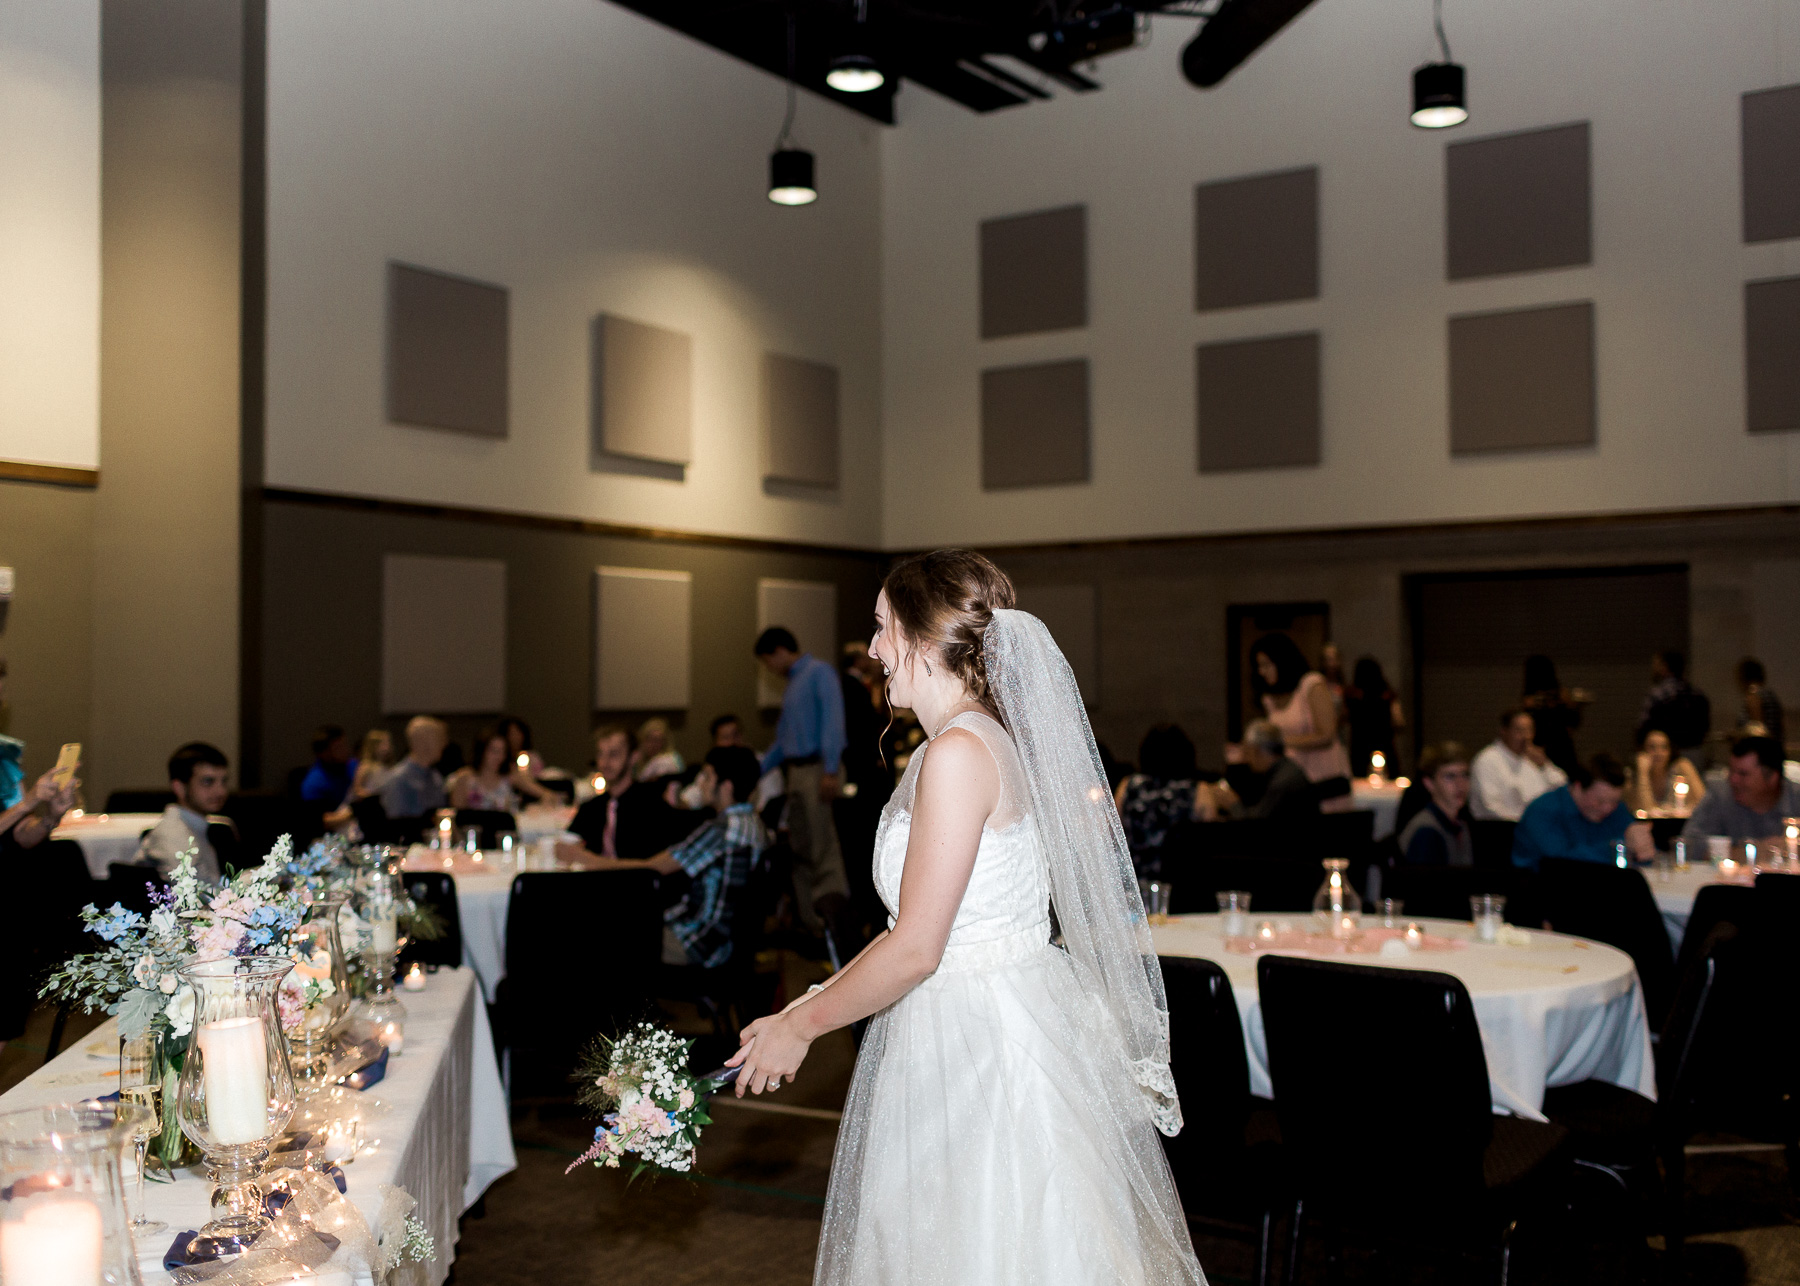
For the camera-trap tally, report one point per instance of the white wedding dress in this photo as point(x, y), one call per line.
point(989, 1137)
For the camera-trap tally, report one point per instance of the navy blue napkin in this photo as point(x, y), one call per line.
point(369, 1073)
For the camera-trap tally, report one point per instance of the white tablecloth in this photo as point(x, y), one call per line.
point(444, 1135)
point(1558, 1011)
point(483, 892)
point(1383, 801)
point(107, 837)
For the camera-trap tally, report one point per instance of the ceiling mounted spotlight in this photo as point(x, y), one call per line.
point(791, 168)
point(1440, 97)
point(854, 74)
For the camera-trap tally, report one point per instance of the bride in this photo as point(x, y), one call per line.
point(1002, 1123)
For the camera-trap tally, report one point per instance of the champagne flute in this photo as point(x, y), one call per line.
point(139, 1085)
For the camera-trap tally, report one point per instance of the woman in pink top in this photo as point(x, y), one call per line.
point(1299, 702)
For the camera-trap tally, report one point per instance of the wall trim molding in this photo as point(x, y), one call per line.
point(545, 522)
point(58, 475)
point(1557, 522)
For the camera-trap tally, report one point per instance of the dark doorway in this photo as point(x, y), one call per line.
point(1308, 624)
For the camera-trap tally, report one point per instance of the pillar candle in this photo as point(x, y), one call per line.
point(237, 1079)
point(383, 930)
point(53, 1243)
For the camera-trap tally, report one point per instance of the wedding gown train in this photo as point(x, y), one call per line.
point(988, 1137)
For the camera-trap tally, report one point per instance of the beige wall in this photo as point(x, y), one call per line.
point(50, 232)
point(591, 161)
point(165, 656)
point(322, 622)
point(1661, 86)
point(46, 632)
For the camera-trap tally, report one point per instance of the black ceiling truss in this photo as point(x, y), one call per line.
point(950, 47)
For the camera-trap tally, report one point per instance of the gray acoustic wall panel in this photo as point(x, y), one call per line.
point(1034, 425)
point(446, 351)
point(1256, 240)
point(1518, 203)
point(427, 666)
point(800, 420)
point(643, 390)
point(1034, 272)
point(1772, 164)
point(1522, 381)
point(1258, 403)
point(1772, 354)
point(643, 638)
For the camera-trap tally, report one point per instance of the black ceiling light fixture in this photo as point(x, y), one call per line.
point(791, 168)
point(854, 70)
point(1440, 97)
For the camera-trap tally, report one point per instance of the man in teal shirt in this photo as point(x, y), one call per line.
point(1584, 820)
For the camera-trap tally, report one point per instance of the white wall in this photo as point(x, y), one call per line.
point(1661, 85)
point(591, 161)
point(50, 232)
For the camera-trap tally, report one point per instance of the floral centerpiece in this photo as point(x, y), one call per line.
point(651, 1106)
point(135, 975)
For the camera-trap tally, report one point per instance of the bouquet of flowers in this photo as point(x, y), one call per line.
point(135, 976)
point(651, 1105)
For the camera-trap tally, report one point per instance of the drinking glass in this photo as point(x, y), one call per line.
point(1234, 907)
point(1681, 855)
point(1621, 855)
point(1156, 899)
point(140, 1083)
point(1488, 910)
point(1718, 848)
point(471, 839)
point(1390, 913)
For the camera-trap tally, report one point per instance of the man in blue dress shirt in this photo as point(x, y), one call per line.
point(1584, 820)
point(809, 749)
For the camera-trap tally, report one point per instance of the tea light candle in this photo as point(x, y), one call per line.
point(523, 761)
point(1727, 868)
point(393, 1035)
point(1266, 930)
point(1681, 793)
point(415, 978)
point(53, 1243)
point(383, 931)
point(1414, 936)
point(340, 1143)
point(236, 1079)
point(443, 832)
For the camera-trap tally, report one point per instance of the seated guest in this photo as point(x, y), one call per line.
point(200, 777)
point(1511, 771)
point(1658, 769)
point(1268, 784)
point(1761, 715)
point(415, 788)
point(487, 784)
point(327, 782)
point(1583, 820)
point(373, 765)
point(1759, 798)
point(609, 823)
point(717, 859)
point(1161, 794)
point(1439, 834)
point(728, 730)
point(654, 757)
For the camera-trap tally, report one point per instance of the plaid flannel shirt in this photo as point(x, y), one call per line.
point(717, 859)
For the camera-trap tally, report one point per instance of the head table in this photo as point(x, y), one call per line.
point(438, 1122)
point(1553, 1012)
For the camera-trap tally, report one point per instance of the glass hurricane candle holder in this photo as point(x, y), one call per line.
point(1336, 906)
point(381, 1007)
point(62, 1202)
point(237, 1089)
point(321, 985)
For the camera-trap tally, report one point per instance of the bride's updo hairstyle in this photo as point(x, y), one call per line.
point(946, 599)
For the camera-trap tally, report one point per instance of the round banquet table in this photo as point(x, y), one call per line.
point(1554, 1012)
point(1383, 801)
point(483, 892)
point(106, 838)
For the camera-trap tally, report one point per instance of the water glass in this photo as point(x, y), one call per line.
point(1156, 899)
point(1665, 866)
point(471, 839)
point(1681, 855)
point(1390, 913)
point(1234, 908)
point(1718, 848)
point(1621, 856)
point(1488, 910)
point(140, 1083)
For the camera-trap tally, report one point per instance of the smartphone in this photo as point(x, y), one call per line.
point(66, 763)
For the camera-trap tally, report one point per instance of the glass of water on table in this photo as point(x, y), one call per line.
point(1488, 911)
point(139, 1086)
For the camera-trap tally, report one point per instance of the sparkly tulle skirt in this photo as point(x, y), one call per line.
point(987, 1140)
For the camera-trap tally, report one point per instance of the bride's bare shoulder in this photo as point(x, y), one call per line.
point(960, 765)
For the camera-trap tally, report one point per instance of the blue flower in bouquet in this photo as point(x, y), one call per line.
point(117, 923)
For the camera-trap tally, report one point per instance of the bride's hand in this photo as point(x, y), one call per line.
point(772, 1052)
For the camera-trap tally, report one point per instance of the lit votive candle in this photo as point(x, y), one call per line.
point(1727, 868)
point(415, 978)
point(53, 1243)
point(1266, 931)
point(236, 1079)
point(393, 1035)
point(1414, 936)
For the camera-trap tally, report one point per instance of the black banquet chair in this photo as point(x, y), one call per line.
point(1381, 1087)
point(583, 949)
point(1225, 1158)
point(129, 884)
point(436, 890)
point(1613, 905)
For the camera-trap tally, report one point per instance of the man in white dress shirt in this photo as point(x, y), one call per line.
point(200, 777)
point(1512, 771)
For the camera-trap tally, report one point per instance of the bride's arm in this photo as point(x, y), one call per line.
point(957, 791)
